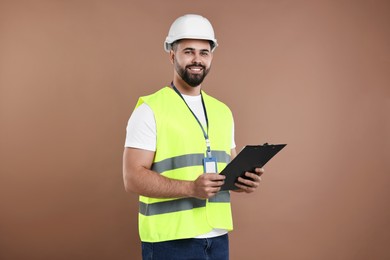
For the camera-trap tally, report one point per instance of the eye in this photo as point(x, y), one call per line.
point(205, 53)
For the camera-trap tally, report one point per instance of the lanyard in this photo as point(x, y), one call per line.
point(205, 133)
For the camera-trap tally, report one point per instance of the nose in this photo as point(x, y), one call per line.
point(196, 58)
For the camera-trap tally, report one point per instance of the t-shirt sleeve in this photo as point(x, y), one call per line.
point(141, 129)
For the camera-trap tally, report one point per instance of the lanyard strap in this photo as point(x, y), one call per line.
point(205, 133)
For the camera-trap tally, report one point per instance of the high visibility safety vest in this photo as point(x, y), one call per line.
point(180, 149)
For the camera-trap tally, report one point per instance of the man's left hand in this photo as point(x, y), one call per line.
point(252, 182)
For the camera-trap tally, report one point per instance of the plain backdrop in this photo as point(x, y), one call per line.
point(312, 74)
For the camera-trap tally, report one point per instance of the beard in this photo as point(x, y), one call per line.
point(192, 80)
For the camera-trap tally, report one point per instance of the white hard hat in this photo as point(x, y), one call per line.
point(190, 26)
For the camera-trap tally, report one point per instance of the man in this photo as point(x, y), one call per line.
point(177, 140)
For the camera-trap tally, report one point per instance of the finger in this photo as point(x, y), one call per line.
point(257, 178)
point(253, 176)
point(245, 188)
point(213, 176)
point(249, 183)
point(213, 191)
point(217, 183)
point(259, 171)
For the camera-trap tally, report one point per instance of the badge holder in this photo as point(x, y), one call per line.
point(210, 165)
point(209, 162)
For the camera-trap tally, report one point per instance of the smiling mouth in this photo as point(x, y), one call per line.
point(195, 69)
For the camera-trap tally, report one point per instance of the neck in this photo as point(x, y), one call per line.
point(186, 89)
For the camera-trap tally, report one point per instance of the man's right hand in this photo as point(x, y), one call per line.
point(207, 185)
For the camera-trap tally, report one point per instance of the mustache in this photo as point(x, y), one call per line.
point(196, 64)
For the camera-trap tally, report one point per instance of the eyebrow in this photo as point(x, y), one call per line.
point(193, 49)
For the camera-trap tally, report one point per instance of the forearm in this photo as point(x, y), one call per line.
point(138, 178)
point(148, 183)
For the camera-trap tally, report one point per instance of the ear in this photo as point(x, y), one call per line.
point(172, 56)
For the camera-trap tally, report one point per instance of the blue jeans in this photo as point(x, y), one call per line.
point(215, 248)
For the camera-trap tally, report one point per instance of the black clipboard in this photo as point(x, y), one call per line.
point(249, 158)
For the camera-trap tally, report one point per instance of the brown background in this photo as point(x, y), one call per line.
point(313, 74)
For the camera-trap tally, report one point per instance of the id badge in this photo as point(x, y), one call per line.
point(210, 165)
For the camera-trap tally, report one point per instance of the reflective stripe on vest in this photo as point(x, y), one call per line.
point(187, 160)
point(180, 204)
point(150, 209)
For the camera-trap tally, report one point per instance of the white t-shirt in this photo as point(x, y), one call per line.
point(141, 127)
point(141, 133)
